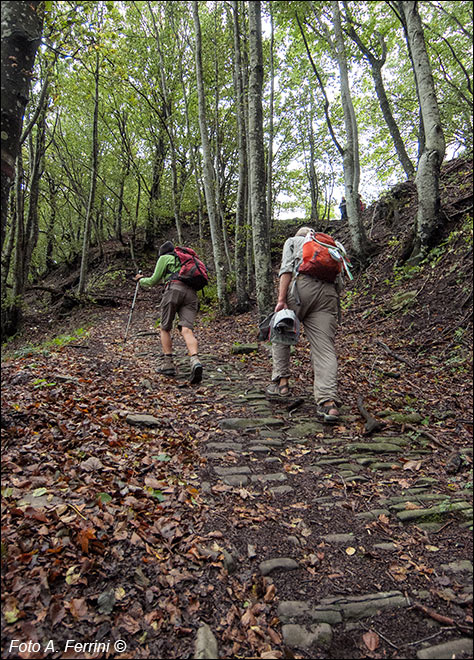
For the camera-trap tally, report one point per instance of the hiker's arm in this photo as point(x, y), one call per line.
point(160, 271)
point(283, 287)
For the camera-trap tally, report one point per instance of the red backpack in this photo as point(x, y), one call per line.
point(323, 257)
point(192, 272)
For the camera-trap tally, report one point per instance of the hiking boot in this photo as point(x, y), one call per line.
point(166, 366)
point(328, 411)
point(196, 370)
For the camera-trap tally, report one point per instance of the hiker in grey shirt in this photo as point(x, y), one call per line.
point(316, 305)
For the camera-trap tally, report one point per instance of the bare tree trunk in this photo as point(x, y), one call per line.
point(93, 185)
point(218, 151)
point(240, 234)
point(270, 129)
point(208, 172)
point(27, 225)
point(249, 261)
point(7, 252)
point(155, 193)
point(376, 65)
point(261, 237)
point(49, 262)
point(428, 219)
point(351, 149)
point(312, 175)
point(37, 168)
point(22, 26)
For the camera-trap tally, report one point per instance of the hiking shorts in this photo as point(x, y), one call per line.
point(178, 299)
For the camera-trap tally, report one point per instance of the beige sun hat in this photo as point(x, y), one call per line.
point(302, 231)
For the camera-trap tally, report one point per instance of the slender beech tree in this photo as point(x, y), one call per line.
point(208, 171)
point(270, 123)
point(260, 233)
point(93, 182)
point(350, 151)
point(351, 164)
point(427, 177)
point(240, 215)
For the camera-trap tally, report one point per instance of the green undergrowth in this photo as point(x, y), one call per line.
point(45, 347)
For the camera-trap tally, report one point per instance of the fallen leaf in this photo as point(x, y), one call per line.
point(39, 492)
point(371, 640)
point(11, 611)
point(270, 593)
point(71, 576)
point(78, 608)
point(153, 483)
point(412, 465)
point(106, 601)
point(399, 573)
point(119, 593)
point(91, 464)
point(84, 536)
point(248, 619)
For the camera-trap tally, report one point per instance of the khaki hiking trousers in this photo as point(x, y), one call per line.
point(317, 309)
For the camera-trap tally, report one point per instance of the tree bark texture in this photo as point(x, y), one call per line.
point(93, 185)
point(261, 238)
point(351, 149)
point(22, 25)
point(429, 166)
point(155, 192)
point(240, 232)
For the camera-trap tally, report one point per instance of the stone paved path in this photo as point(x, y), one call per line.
point(251, 451)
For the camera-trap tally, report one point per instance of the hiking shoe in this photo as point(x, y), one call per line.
point(196, 373)
point(166, 372)
point(328, 411)
point(276, 391)
point(167, 366)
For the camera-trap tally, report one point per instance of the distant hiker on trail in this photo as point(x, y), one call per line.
point(360, 204)
point(343, 209)
point(313, 296)
point(185, 275)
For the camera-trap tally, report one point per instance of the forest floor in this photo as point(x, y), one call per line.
point(221, 524)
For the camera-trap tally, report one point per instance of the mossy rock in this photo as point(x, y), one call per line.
point(244, 349)
point(406, 418)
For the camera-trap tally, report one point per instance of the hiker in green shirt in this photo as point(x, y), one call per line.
point(180, 300)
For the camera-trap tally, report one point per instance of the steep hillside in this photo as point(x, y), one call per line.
point(422, 313)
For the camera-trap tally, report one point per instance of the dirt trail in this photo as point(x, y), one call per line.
point(277, 536)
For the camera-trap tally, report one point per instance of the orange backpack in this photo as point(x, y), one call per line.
point(323, 257)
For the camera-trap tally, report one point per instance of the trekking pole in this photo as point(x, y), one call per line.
point(130, 316)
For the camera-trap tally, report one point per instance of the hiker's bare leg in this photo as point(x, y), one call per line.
point(166, 342)
point(190, 340)
point(192, 346)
